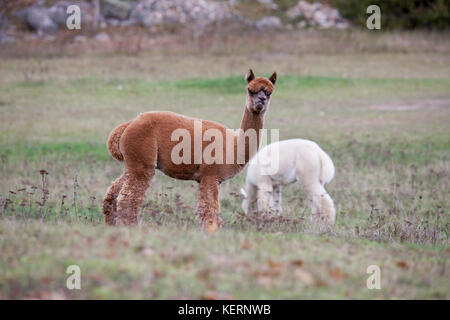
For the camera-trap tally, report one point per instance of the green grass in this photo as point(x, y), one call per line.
point(67, 152)
point(382, 117)
point(87, 108)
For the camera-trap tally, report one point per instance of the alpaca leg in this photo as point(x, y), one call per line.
point(264, 196)
point(131, 196)
point(110, 200)
point(322, 205)
point(277, 199)
point(250, 199)
point(308, 173)
point(208, 206)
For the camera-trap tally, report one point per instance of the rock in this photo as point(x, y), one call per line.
point(90, 14)
point(113, 22)
point(308, 9)
point(20, 14)
point(150, 13)
point(321, 19)
point(315, 14)
point(269, 4)
point(342, 25)
point(48, 38)
point(58, 13)
point(294, 13)
point(39, 19)
point(332, 14)
point(148, 19)
point(79, 38)
point(118, 9)
point(147, 13)
point(302, 24)
point(47, 20)
point(196, 15)
point(271, 22)
point(129, 22)
point(102, 37)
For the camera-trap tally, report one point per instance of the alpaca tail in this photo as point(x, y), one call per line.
point(327, 167)
point(114, 139)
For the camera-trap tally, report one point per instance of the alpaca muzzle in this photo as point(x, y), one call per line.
point(259, 107)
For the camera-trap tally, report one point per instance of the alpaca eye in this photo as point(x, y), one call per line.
point(268, 94)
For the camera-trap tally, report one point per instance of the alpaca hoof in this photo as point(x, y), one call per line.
point(318, 219)
point(212, 228)
point(126, 221)
point(211, 225)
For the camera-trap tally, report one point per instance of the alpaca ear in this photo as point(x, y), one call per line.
point(273, 78)
point(249, 76)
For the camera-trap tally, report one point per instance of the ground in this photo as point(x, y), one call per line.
point(378, 105)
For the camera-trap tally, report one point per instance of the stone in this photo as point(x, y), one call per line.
point(321, 19)
point(271, 22)
point(316, 14)
point(342, 25)
point(302, 24)
point(150, 13)
point(102, 37)
point(79, 38)
point(58, 13)
point(294, 13)
point(269, 4)
point(35, 16)
point(118, 9)
point(332, 14)
point(113, 22)
point(39, 19)
point(308, 9)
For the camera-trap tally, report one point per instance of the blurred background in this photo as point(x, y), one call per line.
point(132, 25)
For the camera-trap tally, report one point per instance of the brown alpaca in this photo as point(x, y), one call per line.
point(145, 144)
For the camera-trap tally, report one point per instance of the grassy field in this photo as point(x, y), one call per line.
point(382, 112)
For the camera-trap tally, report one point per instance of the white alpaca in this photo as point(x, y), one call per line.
point(298, 160)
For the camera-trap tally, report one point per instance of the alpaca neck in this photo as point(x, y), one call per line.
point(251, 121)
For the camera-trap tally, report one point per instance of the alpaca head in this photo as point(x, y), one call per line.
point(259, 91)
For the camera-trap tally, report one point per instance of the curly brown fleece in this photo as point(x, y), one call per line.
point(145, 144)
